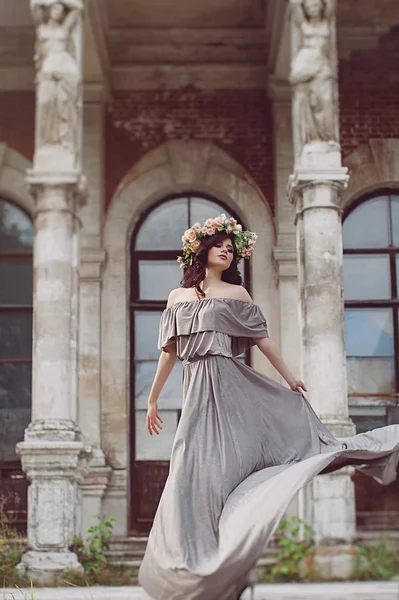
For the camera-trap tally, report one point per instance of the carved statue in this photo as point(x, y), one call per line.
point(314, 72)
point(58, 72)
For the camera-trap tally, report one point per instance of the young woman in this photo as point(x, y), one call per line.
point(244, 444)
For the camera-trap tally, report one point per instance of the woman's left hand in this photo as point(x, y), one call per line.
point(297, 384)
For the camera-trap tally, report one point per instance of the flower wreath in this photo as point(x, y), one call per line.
point(243, 240)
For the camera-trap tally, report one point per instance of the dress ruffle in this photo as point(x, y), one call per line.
point(242, 321)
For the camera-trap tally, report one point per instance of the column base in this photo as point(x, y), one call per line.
point(53, 430)
point(340, 426)
point(44, 567)
point(330, 562)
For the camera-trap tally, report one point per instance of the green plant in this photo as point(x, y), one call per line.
point(376, 561)
point(11, 546)
point(294, 543)
point(91, 550)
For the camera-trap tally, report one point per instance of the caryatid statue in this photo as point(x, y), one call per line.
point(314, 72)
point(58, 73)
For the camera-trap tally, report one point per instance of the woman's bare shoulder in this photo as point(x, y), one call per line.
point(238, 292)
point(179, 295)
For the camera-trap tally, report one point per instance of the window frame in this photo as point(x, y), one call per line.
point(391, 303)
point(11, 475)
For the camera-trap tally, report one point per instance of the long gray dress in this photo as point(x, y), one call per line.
point(244, 446)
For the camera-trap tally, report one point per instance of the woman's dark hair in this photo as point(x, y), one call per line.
point(195, 273)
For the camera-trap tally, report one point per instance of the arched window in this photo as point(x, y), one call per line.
point(16, 241)
point(156, 242)
point(371, 285)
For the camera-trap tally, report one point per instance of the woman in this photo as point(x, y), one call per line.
point(244, 444)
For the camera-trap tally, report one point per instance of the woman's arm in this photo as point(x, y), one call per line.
point(166, 362)
point(269, 348)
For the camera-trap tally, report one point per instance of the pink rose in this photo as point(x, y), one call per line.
point(197, 226)
point(191, 235)
point(229, 229)
point(209, 222)
point(204, 230)
point(211, 231)
point(196, 245)
point(251, 242)
point(218, 221)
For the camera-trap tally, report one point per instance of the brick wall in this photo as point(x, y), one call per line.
point(369, 94)
point(17, 118)
point(238, 121)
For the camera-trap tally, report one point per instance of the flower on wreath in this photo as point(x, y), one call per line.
point(244, 241)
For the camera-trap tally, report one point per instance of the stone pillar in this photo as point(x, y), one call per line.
point(315, 188)
point(284, 252)
point(92, 258)
point(53, 455)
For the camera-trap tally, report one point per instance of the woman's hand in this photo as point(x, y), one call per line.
point(153, 418)
point(296, 385)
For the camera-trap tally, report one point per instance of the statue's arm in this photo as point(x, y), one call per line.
point(71, 19)
point(331, 7)
point(37, 14)
point(297, 11)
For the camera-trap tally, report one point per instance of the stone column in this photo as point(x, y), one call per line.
point(92, 258)
point(284, 252)
point(53, 455)
point(315, 188)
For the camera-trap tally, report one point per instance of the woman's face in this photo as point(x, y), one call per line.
point(313, 8)
point(57, 12)
point(221, 254)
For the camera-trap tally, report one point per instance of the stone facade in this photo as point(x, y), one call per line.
point(118, 132)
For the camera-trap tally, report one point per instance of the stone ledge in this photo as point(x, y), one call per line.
point(370, 590)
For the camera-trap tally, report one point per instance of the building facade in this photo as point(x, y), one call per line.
point(123, 122)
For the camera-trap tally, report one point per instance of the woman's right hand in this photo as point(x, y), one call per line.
point(153, 418)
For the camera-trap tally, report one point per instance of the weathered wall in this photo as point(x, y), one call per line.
point(369, 94)
point(17, 119)
point(238, 121)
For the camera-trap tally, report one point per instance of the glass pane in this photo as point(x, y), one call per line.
point(171, 395)
point(368, 332)
point(15, 406)
point(15, 385)
point(15, 335)
point(367, 418)
point(146, 328)
point(16, 229)
point(367, 277)
point(13, 423)
point(164, 226)
point(157, 278)
point(395, 220)
point(155, 447)
point(370, 375)
point(202, 209)
point(368, 225)
point(18, 276)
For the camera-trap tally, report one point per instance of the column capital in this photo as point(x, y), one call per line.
point(336, 179)
point(286, 260)
point(91, 262)
point(57, 192)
